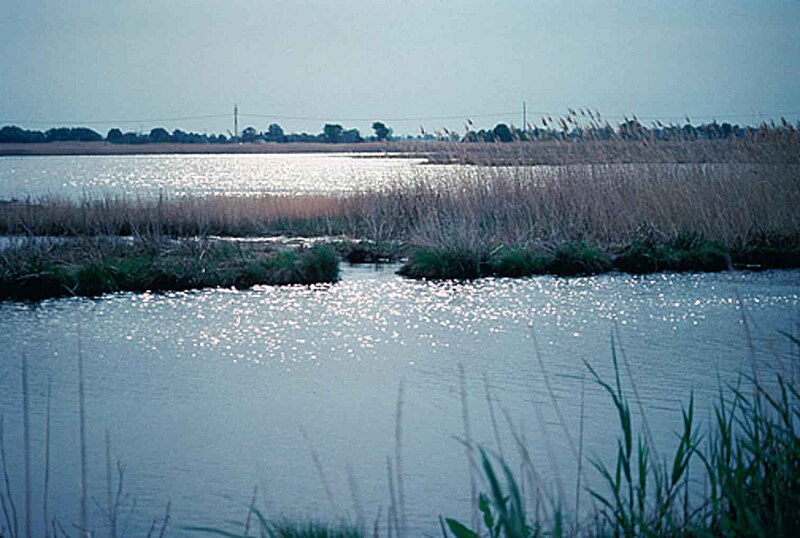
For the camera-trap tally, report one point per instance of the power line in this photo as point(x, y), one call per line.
point(706, 116)
point(396, 120)
point(116, 122)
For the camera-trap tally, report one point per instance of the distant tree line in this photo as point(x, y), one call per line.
point(629, 130)
point(331, 134)
point(13, 133)
point(159, 135)
point(589, 126)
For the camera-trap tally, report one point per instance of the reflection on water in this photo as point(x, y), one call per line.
point(204, 392)
point(175, 175)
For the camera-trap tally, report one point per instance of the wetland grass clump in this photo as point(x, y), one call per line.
point(745, 478)
point(33, 270)
point(571, 259)
point(444, 263)
point(579, 259)
point(265, 528)
point(366, 251)
point(689, 252)
point(316, 264)
point(780, 254)
point(520, 262)
point(289, 529)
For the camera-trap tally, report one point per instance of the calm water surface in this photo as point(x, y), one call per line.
point(175, 175)
point(204, 393)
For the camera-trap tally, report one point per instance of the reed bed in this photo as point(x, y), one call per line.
point(606, 205)
point(180, 216)
point(768, 146)
point(475, 208)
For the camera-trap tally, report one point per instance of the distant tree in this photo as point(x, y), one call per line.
point(689, 132)
point(84, 134)
point(198, 138)
point(470, 136)
point(305, 137)
point(631, 130)
point(159, 135)
point(480, 136)
point(12, 133)
point(332, 133)
point(351, 136)
point(79, 134)
point(502, 133)
point(57, 134)
point(275, 134)
point(178, 136)
point(134, 138)
point(249, 134)
point(382, 132)
point(114, 136)
point(726, 130)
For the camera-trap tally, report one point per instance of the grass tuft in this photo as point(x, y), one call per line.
point(285, 529)
point(687, 253)
point(579, 259)
point(444, 263)
point(520, 262)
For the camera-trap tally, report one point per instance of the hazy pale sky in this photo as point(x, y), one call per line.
point(105, 63)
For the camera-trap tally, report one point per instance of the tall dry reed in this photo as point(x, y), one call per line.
point(608, 205)
point(473, 208)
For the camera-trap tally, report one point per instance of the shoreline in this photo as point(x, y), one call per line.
point(107, 148)
point(439, 152)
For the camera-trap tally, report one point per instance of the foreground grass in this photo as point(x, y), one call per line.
point(36, 269)
point(750, 461)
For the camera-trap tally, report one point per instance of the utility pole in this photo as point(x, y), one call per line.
point(524, 117)
point(236, 122)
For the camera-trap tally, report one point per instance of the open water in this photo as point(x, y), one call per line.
point(176, 175)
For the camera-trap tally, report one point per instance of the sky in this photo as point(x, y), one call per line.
point(138, 64)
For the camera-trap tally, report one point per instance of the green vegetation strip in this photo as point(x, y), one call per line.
point(687, 253)
point(35, 270)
